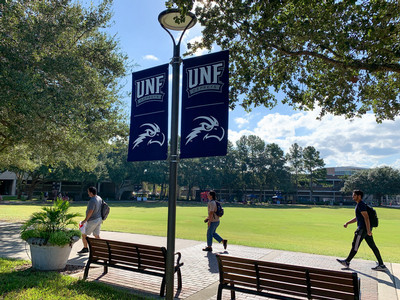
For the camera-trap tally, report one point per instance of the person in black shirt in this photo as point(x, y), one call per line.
point(364, 231)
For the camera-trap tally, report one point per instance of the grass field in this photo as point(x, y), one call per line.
point(309, 229)
point(19, 281)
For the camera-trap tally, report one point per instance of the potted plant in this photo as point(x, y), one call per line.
point(49, 237)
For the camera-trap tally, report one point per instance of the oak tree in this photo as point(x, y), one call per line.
point(339, 55)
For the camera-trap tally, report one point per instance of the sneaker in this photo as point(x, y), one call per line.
point(225, 243)
point(379, 268)
point(83, 251)
point(343, 262)
point(209, 249)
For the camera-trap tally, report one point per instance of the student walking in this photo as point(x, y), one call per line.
point(213, 222)
point(364, 231)
point(93, 218)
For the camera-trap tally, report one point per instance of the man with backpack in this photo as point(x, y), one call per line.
point(213, 221)
point(93, 218)
point(364, 231)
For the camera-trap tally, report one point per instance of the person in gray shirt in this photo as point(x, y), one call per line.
point(93, 218)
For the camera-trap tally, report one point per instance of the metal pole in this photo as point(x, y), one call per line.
point(173, 167)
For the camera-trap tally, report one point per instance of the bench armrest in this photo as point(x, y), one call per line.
point(178, 263)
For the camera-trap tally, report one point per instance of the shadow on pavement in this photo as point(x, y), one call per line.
point(11, 243)
point(381, 281)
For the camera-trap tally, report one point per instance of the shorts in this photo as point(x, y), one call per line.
point(93, 226)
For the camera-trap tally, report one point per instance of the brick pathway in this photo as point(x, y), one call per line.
point(200, 270)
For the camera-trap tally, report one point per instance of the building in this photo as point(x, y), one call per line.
point(8, 183)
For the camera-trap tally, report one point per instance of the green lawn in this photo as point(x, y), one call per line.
point(310, 229)
point(19, 281)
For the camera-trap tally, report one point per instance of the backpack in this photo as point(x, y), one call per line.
point(105, 210)
point(220, 210)
point(373, 217)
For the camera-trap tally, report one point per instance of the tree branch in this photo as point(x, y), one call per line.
point(356, 64)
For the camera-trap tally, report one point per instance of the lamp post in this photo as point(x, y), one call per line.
point(167, 21)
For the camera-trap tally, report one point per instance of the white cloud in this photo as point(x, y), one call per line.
point(359, 142)
point(150, 57)
point(396, 164)
point(199, 52)
point(241, 122)
point(234, 136)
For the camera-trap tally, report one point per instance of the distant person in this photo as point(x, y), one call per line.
point(93, 218)
point(364, 231)
point(213, 222)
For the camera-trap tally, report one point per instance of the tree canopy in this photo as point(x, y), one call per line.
point(339, 55)
point(58, 80)
point(378, 181)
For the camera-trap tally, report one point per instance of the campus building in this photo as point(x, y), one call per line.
point(327, 191)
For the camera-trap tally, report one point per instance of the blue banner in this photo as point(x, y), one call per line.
point(205, 105)
point(148, 138)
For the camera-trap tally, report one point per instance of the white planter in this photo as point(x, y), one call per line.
point(48, 257)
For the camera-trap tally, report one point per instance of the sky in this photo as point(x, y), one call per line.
point(359, 142)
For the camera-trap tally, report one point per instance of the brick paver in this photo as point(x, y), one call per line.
point(200, 271)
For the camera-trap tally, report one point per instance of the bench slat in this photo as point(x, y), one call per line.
point(327, 294)
point(240, 280)
point(131, 256)
point(333, 286)
point(280, 280)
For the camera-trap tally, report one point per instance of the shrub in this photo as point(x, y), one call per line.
point(51, 225)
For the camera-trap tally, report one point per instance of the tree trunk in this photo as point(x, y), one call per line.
point(189, 192)
point(32, 186)
point(311, 191)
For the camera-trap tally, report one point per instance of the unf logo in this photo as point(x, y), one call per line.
point(205, 78)
point(149, 89)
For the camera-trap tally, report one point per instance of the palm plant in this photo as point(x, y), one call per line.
point(50, 226)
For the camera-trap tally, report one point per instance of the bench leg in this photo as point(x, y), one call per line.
point(162, 289)
point(86, 273)
point(233, 293)
point(105, 268)
point(179, 279)
point(219, 295)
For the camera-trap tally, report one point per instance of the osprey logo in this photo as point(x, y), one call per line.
point(205, 78)
point(153, 133)
point(149, 89)
point(210, 126)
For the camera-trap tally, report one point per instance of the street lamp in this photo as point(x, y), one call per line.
point(167, 21)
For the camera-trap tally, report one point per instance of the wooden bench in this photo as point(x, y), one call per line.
point(281, 281)
point(133, 257)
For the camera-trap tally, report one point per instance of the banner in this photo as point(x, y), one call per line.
point(205, 105)
point(148, 138)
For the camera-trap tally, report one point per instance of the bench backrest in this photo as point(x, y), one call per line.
point(142, 257)
point(288, 279)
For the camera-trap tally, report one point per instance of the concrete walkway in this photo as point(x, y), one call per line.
point(200, 270)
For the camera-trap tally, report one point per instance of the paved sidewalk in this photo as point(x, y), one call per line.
point(200, 270)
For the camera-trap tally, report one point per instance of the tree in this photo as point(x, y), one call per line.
point(379, 182)
point(228, 171)
point(276, 172)
point(157, 173)
point(58, 77)
point(313, 165)
point(340, 55)
point(121, 172)
point(295, 160)
point(251, 155)
point(190, 174)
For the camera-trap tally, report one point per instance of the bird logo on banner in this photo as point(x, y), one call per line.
point(210, 126)
point(152, 133)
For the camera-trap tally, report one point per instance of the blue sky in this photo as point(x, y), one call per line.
point(341, 142)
